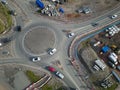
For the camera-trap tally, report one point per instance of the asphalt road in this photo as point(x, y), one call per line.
point(27, 19)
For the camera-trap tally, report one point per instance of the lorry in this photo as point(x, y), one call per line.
point(113, 58)
point(100, 64)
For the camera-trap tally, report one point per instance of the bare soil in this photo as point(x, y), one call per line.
point(89, 53)
point(12, 77)
point(98, 7)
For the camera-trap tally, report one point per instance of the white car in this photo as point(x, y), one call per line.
point(52, 51)
point(113, 16)
point(70, 35)
point(60, 75)
point(35, 59)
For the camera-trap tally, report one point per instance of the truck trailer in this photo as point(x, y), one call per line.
point(113, 58)
point(100, 64)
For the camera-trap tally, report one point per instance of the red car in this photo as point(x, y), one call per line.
point(51, 69)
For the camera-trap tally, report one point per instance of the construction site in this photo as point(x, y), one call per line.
point(74, 10)
point(100, 55)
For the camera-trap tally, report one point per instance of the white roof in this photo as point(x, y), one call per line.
point(112, 58)
point(114, 55)
point(100, 64)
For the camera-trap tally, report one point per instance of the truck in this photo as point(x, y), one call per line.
point(113, 58)
point(100, 64)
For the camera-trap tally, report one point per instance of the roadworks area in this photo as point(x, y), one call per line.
point(72, 8)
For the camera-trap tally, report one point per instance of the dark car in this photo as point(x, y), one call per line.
point(4, 2)
point(12, 12)
point(94, 24)
point(19, 28)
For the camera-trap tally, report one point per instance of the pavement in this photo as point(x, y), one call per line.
point(27, 19)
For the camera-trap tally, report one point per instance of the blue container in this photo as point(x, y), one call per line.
point(61, 10)
point(40, 4)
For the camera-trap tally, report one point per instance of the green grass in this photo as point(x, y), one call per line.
point(47, 87)
point(113, 87)
point(32, 77)
point(85, 43)
point(1, 27)
point(53, 85)
point(5, 18)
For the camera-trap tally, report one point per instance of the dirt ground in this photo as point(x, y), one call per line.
point(12, 77)
point(88, 57)
point(89, 53)
point(98, 7)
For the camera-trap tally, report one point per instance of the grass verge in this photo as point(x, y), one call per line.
point(113, 87)
point(31, 76)
point(5, 18)
point(47, 87)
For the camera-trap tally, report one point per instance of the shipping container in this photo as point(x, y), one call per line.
point(40, 4)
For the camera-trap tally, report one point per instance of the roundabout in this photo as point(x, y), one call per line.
point(38, 40)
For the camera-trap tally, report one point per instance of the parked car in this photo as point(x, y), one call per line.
point(71, 34)
point(51, 69)
point(5, 40)
point(4, 2)
point(113, 16)
point(60, 75)
point(1, 43)
point(35, 59)
point(52, 51)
